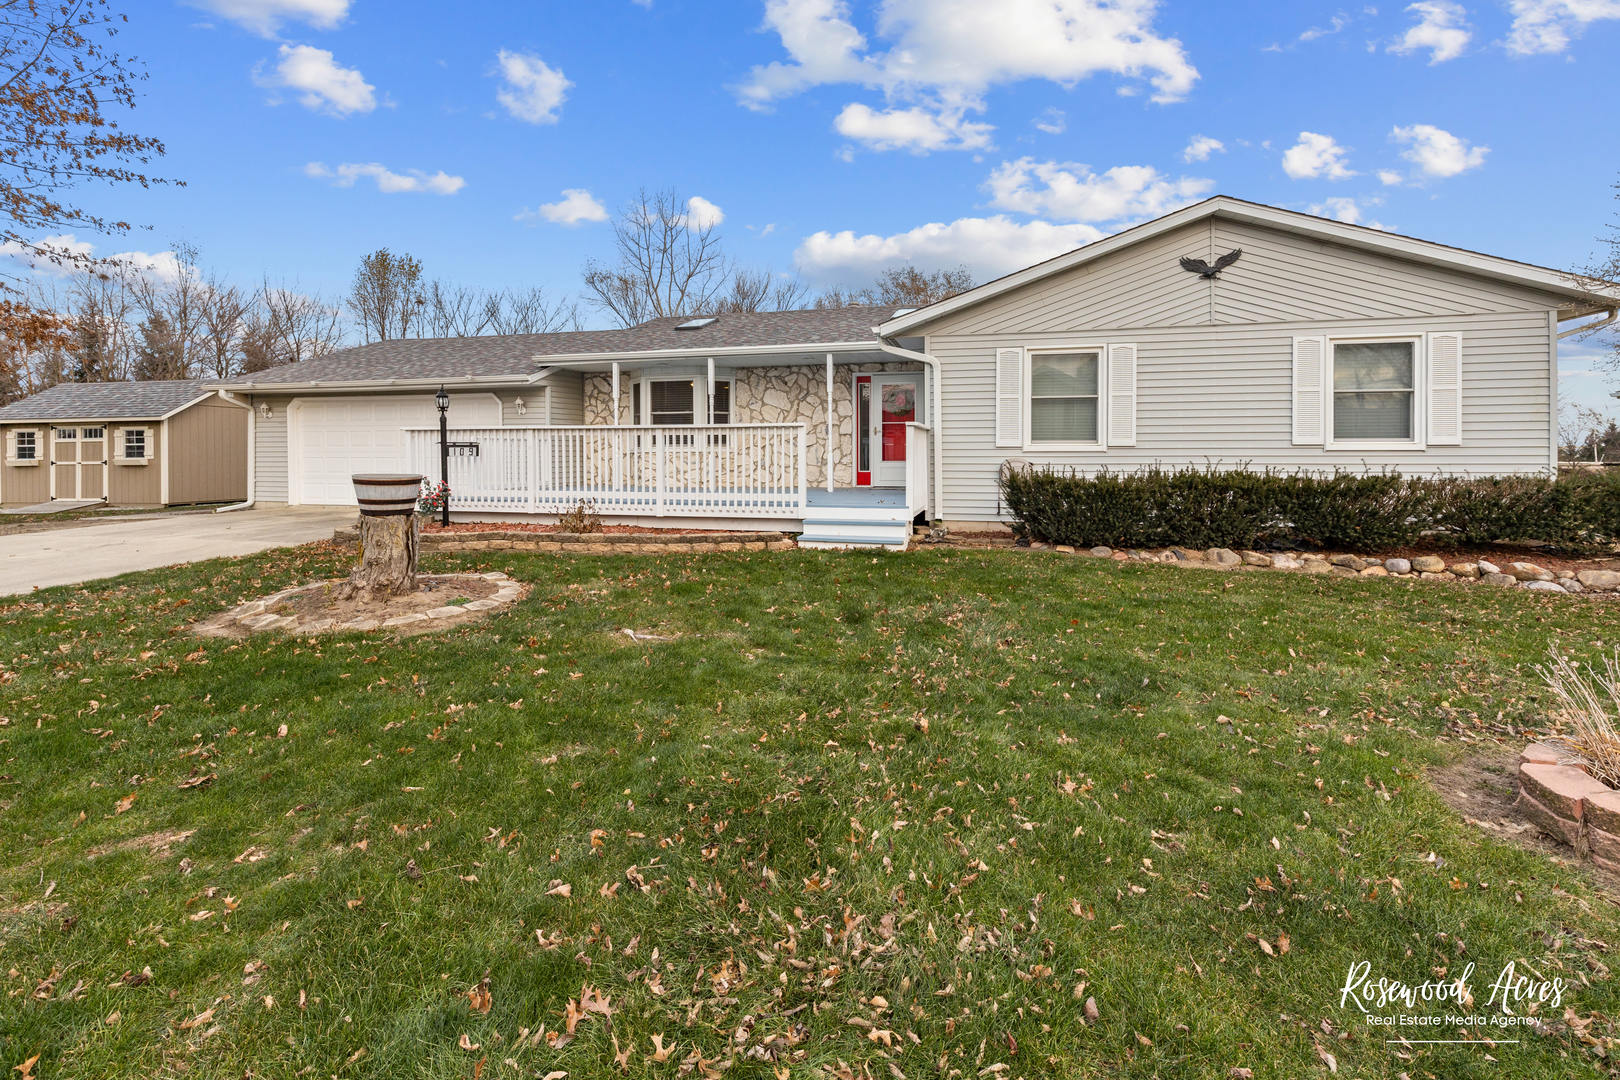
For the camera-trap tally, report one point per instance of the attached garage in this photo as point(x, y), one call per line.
point(331, 438)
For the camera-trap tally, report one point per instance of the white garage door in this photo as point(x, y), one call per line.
point(333, 438)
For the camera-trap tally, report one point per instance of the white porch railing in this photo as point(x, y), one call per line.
point(726, 470)
point(919, 465)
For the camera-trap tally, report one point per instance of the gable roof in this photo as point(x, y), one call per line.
point(1583, 299)
point(518, 358)
point(107, 401)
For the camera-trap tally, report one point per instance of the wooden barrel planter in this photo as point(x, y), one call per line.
point(388, 535)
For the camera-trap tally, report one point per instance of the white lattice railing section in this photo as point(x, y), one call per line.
point(919, 463)
point(732, 470)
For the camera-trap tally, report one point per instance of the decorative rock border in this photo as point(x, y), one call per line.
point(648, 543)
point(1565, 802)
point(1524, 575)
point(256, 616)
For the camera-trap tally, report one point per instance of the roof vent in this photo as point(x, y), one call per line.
point(696, 324)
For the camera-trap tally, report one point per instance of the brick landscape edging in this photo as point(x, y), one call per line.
point(1565, 802)
point(595, 543)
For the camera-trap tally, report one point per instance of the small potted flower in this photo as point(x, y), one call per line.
point(432, 500)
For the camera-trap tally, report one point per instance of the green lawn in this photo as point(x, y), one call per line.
point(894, 816)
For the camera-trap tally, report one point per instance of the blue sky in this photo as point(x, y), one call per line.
point(489, 138)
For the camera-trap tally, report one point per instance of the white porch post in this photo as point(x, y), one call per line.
point(710, 417)
point(616, 419)
point(827, 455)
point(618, 446)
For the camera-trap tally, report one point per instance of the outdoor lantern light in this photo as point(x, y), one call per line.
point(442, 400)
point(264, 410)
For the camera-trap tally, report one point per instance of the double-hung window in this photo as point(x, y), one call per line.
point(1065, 395)
point(134, 444)
point(1375, 392)
point(25, 446)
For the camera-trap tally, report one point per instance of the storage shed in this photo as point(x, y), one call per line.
point(124, 444)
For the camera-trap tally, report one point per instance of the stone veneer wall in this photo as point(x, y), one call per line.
point(774, 395)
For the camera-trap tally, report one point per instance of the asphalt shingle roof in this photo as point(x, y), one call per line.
point(516, 354)
point(105, 401)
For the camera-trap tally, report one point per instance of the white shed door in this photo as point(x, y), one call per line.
point(332, 438)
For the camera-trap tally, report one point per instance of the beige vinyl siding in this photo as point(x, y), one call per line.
point(567, 400)
point(208, 453)
point(1282, 277)
point(534, 407)
point(270, 449)
point(137, 485)
point(1222, 396)
point(24, 485)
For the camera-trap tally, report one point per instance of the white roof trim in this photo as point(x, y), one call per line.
point(564, 360)
point(342, 385)
point(1360, 236)
point(175, 412)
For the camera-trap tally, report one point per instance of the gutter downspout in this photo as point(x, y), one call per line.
point(936, 413)
point(252, 477)
point(1584, 327)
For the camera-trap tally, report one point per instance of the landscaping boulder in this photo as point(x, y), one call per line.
point(1254, 558)
point(1223, 556)
point(1500, 579)
point(1488, 567)
point(1601, 580)
point(1398, 566)
point(1350, 562)
point(1428, 564)
point(1544, 586)
point(1375, 571)
point(1465, 569)
point(1101, 551)
point(1286, 562)
point(1528, 571)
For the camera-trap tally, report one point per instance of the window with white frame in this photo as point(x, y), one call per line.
point(1375, 391)
point(1065, 397)
point(678, 402)
point(134, 444)
point(25, 445)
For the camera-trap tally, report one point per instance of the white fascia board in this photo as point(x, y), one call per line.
point(1359, 236)
point(652, 356)
point(342, 386)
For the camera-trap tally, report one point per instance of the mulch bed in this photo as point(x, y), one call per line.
point(428, 529)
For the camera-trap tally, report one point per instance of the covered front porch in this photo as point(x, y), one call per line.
point(742, 442)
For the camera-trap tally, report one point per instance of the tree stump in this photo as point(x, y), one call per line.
point(388, 550)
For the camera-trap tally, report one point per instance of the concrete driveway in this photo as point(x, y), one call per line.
point(72, 556)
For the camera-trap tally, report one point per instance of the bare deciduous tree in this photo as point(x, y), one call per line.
point(61, 79)
point(667, 263)
point(222, 322)
point(758, 290)
point(902, 286)
point(286, 326)
point(386, 296)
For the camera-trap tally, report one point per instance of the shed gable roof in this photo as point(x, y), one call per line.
point(106, 401)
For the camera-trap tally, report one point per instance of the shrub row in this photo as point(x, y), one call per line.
point(1200, 508)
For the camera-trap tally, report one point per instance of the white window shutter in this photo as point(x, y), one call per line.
point(1445, 389)
point(1310, 377)
point(1010, 397)
point(1122, 395)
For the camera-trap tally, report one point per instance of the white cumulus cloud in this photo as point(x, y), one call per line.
point(1053, 121)
point(916, 129)
point(531, 89)
point(1548, 26)
point(1437, 152)
point(321, 82)
point(1316, 156)
point(989, 246)
point(576, 207)
point(44, 255)
point(1073, 192)
point(387, 180)
point(1201, 147)
point(1441, 27)
point(938, 58)
point(266, 16)
point(1347, 210)
point(702, 214)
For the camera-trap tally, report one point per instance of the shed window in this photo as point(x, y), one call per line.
point(25, 446)
point(1063, 397)
point(1374, 390)
point(134, 443)
point(93, 433)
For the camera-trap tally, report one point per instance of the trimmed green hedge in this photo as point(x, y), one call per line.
point(1199, 508)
